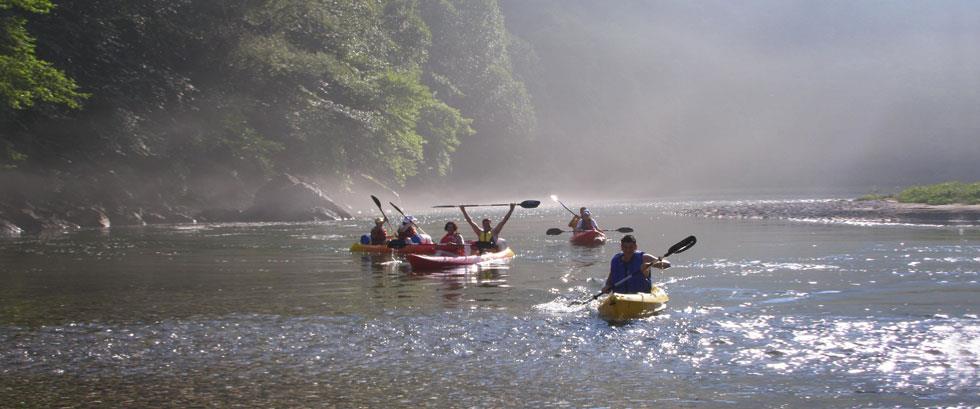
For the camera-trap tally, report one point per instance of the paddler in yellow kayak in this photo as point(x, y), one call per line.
point(378, 234)
point(488, 237)
point(634, 264)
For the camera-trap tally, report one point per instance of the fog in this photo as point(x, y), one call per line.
point(638, 98)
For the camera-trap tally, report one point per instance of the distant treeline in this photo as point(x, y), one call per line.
point(937, 194)
point(247, 88)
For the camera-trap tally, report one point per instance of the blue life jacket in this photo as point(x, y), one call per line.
point(637, 282)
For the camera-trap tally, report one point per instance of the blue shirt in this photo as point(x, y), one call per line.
point(637, 283)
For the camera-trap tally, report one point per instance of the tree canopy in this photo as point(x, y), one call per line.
point(389, 88)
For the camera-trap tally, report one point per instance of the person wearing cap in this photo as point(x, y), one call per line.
point(378, 234)
point(407, 231)
point(586, 222)
point(633, 264)
point(488, 236)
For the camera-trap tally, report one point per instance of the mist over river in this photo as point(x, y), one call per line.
point(763, 312)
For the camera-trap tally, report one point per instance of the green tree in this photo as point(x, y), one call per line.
point(469, 68)
point(24, 78)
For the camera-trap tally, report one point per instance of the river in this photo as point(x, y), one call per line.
point(763, 313)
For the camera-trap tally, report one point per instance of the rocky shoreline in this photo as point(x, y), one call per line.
point(285, 198)
point(871, 211)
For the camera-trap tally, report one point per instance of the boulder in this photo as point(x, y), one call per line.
point(286, 198)
point(179, 217)
point(127, 217)
point(220, 216)
point(30, 221)
point(154, 218)
point(88, 217)
point(8, 229)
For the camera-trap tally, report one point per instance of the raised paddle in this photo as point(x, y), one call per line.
point(556, 231)
point(555, 198)
point(527, 204)
point(378, 203)
point(680, 247)
point(403, 215)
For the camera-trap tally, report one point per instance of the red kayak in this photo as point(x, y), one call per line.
point(381, 248)
point(424, 262)
point(588, 238)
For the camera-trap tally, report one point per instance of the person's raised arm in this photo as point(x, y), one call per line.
point(476, 229)
point(500, 226)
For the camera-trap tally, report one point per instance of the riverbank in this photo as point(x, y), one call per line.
point(35, 203)
point(840, 210)
point(946, 193)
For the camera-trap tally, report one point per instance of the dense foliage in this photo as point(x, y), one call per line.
point(937, 194)
point(942, 193)
point(178, 89)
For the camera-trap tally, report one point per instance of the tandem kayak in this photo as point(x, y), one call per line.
point(588, 238)
point(624, 307)
point(381, 248)
point(424, 262)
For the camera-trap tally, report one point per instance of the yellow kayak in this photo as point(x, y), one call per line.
point(623, 307)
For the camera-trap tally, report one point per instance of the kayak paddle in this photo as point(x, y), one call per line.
point(403, 215)
point(555, 198)
point(527, 204)
point(378, 203)
point(680, 247)
point(556, 231)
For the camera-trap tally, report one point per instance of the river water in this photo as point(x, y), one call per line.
point(763, 313)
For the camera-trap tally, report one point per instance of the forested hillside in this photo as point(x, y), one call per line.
point(117, 103)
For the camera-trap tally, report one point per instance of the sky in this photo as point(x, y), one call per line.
point(702, 95)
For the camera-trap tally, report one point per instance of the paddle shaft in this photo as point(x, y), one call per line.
point(556, 231)
point(474, 205)
point(378, 203)
point(403, 215)
point(527, 204)
point(566, 208)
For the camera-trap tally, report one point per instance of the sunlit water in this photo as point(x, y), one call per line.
point(763, 313)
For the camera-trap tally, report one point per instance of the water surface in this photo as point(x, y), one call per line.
point(763, 313)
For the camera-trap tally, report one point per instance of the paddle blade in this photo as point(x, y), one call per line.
point(625, 229)
point(681, 246)
point(554, 231)
point(396, 208)
point(530, 204)
point(376, 201)
point(554, 198)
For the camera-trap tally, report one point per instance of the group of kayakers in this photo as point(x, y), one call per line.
point(452, 243)
point(629, 271)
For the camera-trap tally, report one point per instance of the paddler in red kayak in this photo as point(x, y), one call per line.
point(586, 222)
point(634, 264)
point(452, 244)
point(488, 237)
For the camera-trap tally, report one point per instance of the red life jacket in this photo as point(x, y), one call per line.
point(451, 242)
